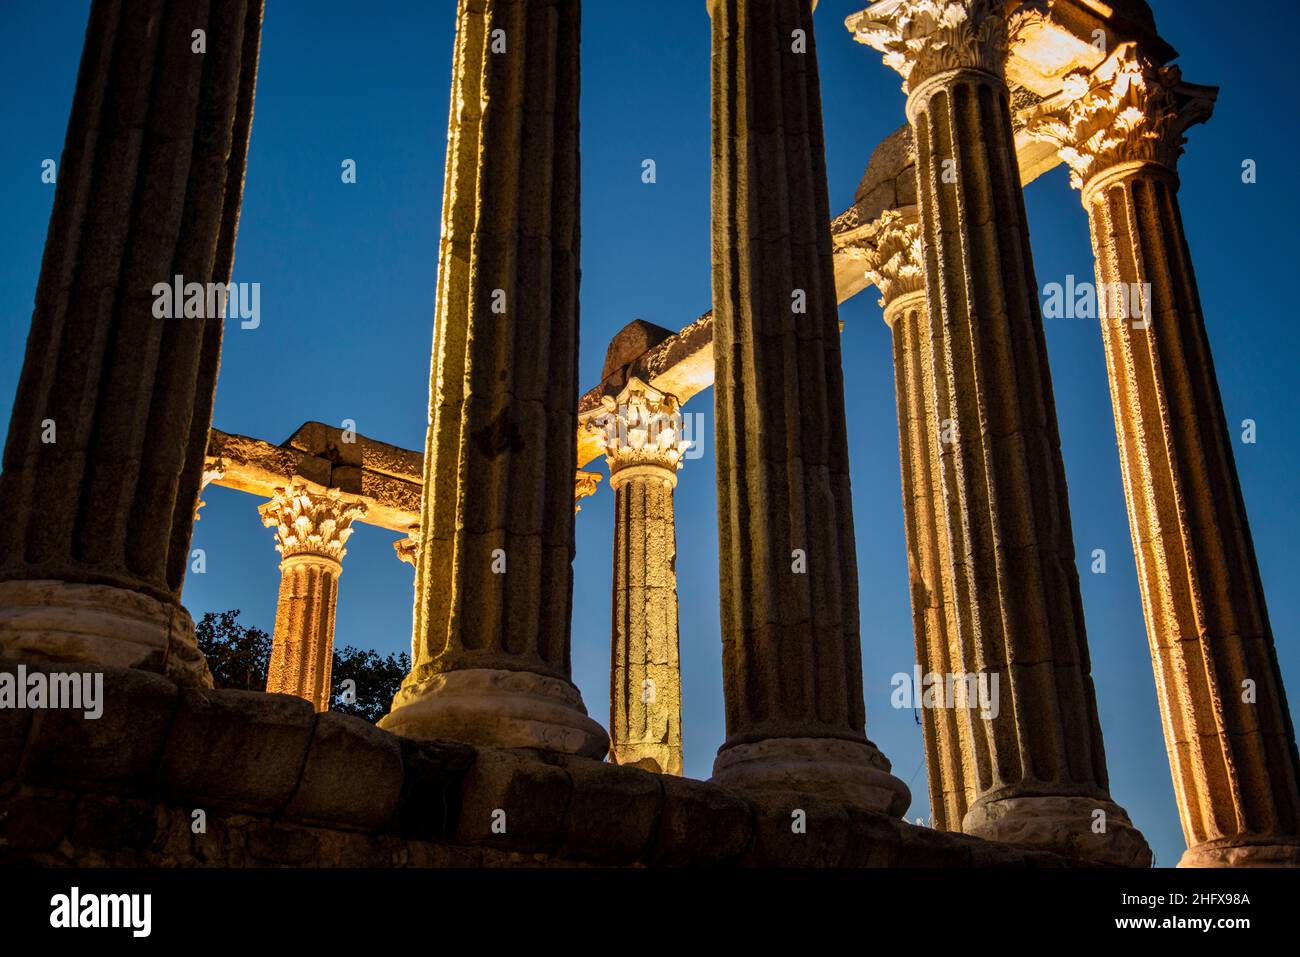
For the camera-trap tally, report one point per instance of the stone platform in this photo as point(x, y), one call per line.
point(280, 785)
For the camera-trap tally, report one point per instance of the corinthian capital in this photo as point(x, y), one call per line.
point(307, 522)
point(894, 259)
point(642, 426)
point(922, 38)
point(1127, 110)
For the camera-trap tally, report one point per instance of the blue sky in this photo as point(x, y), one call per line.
point(348, 273)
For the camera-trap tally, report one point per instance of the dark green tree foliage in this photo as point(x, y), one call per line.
point(377, 680)
point(239, 656)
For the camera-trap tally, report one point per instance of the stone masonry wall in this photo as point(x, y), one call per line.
point(280, 785)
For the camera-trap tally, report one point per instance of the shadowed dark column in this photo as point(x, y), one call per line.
point(792, 671)
point(105, 453)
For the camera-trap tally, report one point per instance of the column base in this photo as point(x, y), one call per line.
point(498, 709)
point(1061, 824)
point(56, 621)
point(854, 772)
point(1242, 854)
point(659, 758)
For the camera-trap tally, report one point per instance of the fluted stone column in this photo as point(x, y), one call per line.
point(312, 528)
point(106, 444)
point(494, 584)
point(895, 264)
point(792, 671)
point(643, 444)
point(1227, 725)
point(1038, 763)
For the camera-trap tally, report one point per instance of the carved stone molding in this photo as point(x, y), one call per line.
point(642, 426)
point(214, 469)
point(307, 522)
point(584, 486)
point(408, 548)
point(1128, 110)
point(923, 38)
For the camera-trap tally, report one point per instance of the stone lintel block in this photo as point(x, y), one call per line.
point(613, 812)
point(701, 824)
point(352, 777)
point(238, 750)
point(116, 753)
point(433, 773)
point(824, 839)
point(512, 800)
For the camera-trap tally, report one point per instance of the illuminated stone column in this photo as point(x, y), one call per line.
point(311, 530)
point(792, 671)
point(1227, 726)
point(109, 430)
point(1038, 762)
point(494, 583)
point(894, 260)
point(643, 448)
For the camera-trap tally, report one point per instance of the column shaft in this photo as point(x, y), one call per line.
point(1037, 761)
point(106, 445)
point(1227, 726)
point(494, 581)
point(948, 746)
point(645, 720)
point(792, 671)
point(302, 649)
point(1231, 744)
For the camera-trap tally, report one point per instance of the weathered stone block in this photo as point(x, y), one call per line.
point(797, 830)
point(33, 820)
point(701, 824)
point(117, 752)
point(613, 812)
point(14, 724)
point(113, 824)
point(352, 778)
point(240, 750)
point(873, 840)
point(428, 808)
point(512, 800)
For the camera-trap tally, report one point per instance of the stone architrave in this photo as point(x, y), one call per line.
point(1037, 762)
point(792, 670)
point(1227, 725)
point(643, 444)
point(312, 527)
point(494, 579)
point(105, 452)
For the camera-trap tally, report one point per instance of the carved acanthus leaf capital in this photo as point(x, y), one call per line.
point(308, 522)
point(1127, 110)
point(895, 260)
point(642, 426)
point(922, 38)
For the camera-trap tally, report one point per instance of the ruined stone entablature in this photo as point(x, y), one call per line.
point(1128, 110)
point(641, 427)
point(311, 522)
